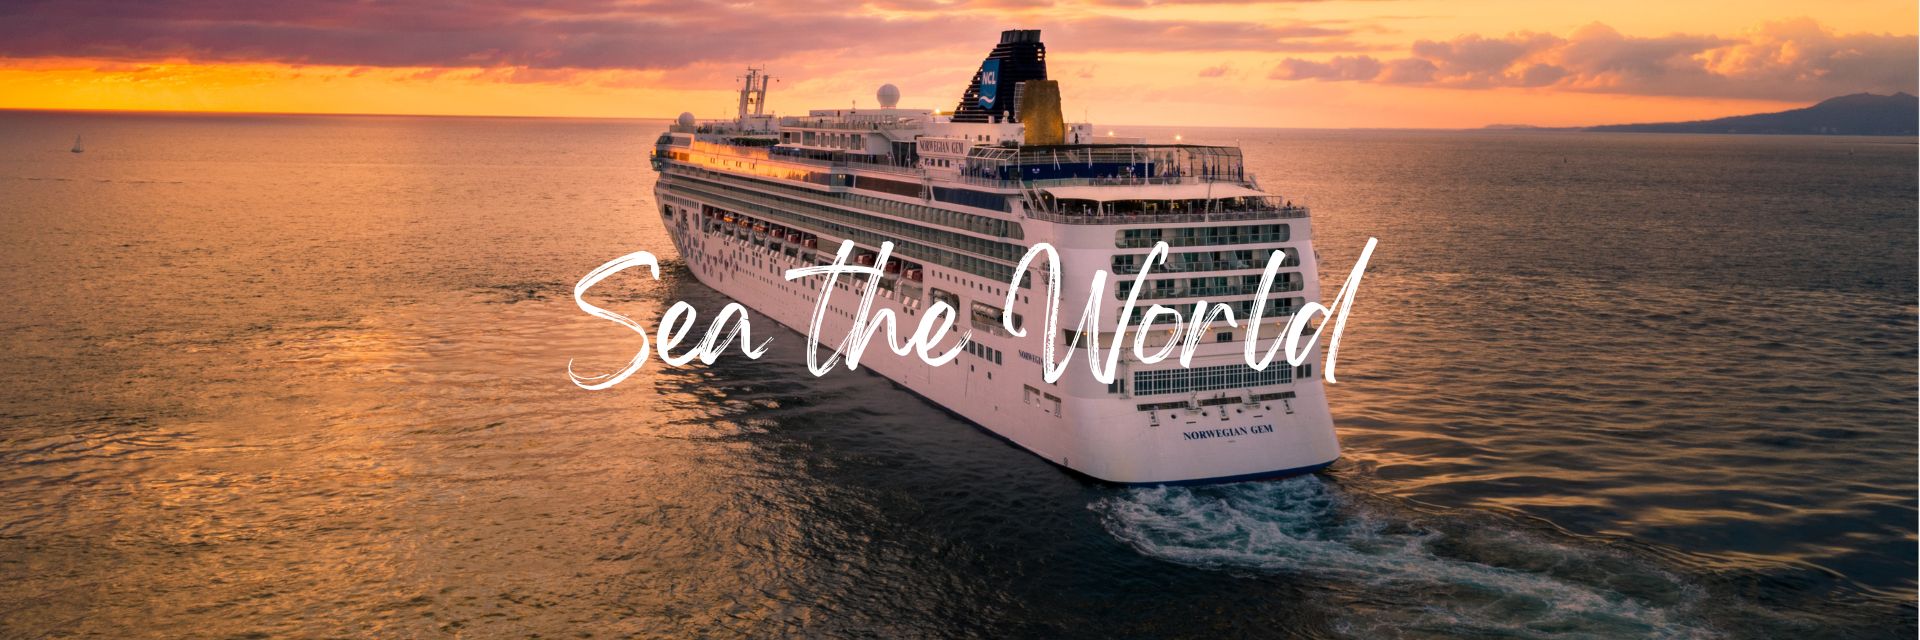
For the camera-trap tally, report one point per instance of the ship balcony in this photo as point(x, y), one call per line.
point(1174, 200)
point(835, 123)
point(1274, 213)
point(1157, 291)
point(1206, 266)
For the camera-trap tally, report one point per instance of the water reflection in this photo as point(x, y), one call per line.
point(305, 377)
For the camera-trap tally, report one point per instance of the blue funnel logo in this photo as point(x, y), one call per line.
point(989, 82)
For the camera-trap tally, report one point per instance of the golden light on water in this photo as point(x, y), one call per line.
point(307, 377)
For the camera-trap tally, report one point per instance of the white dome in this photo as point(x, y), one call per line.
point(889, 96)
point(686, 119)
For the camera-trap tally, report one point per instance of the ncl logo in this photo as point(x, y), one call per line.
point(989, 83)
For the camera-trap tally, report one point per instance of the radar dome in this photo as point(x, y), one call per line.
point(889, 96)
point(686, 118)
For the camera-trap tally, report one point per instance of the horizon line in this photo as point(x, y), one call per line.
point(1490, 127)
point(191, 112)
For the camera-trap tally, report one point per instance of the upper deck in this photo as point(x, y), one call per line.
point(1011, 155)
point(1069, 184)
point(967, 198)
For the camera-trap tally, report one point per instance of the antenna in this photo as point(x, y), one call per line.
point(753, 94)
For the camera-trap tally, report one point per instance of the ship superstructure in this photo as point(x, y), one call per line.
point(962, 196)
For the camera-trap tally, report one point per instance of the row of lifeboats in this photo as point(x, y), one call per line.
point(905, 269)
point(773, 232)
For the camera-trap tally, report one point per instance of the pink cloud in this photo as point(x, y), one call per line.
point(1793, 60)
point(586, 34)
point(1336, 68)
point(1106, 33)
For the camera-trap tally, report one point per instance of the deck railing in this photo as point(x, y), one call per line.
point(1034, 209)
point(1277, 213)
point(1198, 266)
point(1121, 289)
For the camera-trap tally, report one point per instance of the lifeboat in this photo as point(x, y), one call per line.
point(760, 227)
point(892, 267)
point(793, 236)
point(727, 218)
point(913, 274)
point(810, 243)
point(743, 222)
point(864, 260)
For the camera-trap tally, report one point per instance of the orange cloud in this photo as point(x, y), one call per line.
point(1336, 68)
point(1119, 60)
point(1792, 60)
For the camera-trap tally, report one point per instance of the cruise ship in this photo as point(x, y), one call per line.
point(962, 195)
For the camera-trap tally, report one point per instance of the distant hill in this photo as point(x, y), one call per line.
point(1860, 114)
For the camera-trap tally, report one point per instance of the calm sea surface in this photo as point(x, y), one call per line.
point(305, 376)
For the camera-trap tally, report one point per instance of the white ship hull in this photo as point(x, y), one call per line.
point(960, 197)
point(1090, 429)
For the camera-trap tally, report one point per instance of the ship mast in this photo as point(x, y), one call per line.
point(753, 95)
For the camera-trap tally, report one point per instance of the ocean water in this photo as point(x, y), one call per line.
point(275, 376)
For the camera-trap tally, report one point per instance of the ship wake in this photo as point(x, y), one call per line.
point(1411, 575)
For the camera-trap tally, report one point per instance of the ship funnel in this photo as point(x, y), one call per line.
point(1020, 57)
point(1040, 112)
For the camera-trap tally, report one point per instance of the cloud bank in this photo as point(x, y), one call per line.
point(576, 34)
point(553, 41)
point(1791, 60)
point(584, 34)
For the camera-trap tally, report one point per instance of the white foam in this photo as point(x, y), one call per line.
point(1304, 526)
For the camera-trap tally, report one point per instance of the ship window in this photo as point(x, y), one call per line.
point(1201, 236)
point(1277, 308)
point(933, 242)
point(1191, 261)
point(1235, 376)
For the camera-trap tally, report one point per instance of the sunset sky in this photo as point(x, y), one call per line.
point(1332, 63)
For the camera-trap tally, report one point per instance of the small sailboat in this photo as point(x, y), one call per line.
point(76, 145)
